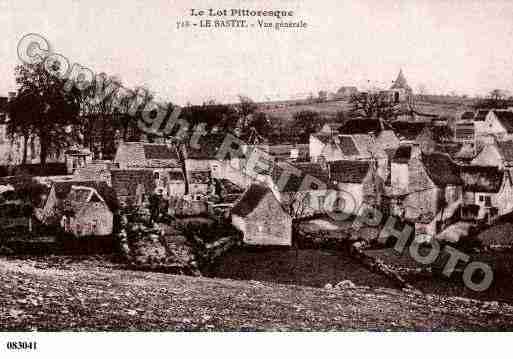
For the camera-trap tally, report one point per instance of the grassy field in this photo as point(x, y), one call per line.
point(500, 262)
point(330, 108)
point(309, 267)
point(87, 297)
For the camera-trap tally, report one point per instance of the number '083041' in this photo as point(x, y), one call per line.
point(21, 345)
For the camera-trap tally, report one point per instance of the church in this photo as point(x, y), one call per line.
point(400, 90)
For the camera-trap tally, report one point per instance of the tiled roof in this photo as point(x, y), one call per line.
point(402, 154)
point(250, 199)
point(467, 115)
point(294, 181)
point(506, 149)
point(408, 130)
point(481, 115)
point(441, 169)
point(146, 155)
point(323, 137)
point(363, 126)
point(207, 147)
point(506, 119)
point(159, 152)
point(63, 188)
point(348, 171)
point(481, 178)
point(347, 146)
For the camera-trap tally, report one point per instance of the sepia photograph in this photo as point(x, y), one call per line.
point(235, 166)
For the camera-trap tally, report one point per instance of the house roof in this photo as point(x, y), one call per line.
point(481, 115)
point(506, 119)
point(207, 147)
point(146, 155)
point(409, 130)
point(323, 137)
point(368, 146)
point(250, 199)
point(506, 149)
point(467, 115)
point(125, 182)
point(481, 178)
point(347, 145)
point(441, 169)
point(348, 171)
point(294, 181)
point(402, 154)
point(63, 188)
point(365, 126)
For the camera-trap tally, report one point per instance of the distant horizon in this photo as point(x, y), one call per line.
point(444, 46)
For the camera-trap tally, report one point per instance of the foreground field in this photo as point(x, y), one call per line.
point(77, 296)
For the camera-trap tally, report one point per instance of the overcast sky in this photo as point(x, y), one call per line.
point(463, 46)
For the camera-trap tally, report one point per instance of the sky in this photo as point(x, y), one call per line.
point(446, 46)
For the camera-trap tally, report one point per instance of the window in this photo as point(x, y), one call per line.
point(481, 198)
point(156, 175)
point(488, 201)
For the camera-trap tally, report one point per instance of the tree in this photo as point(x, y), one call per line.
point(42, 106)
point(496, 99)
point(246, 106)
point(374, 105)
point(306, 122)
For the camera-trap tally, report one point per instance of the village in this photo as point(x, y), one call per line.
point(156, 201)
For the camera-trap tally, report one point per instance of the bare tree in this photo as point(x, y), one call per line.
point(374, 105)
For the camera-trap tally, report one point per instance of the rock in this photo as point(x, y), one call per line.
point(491, 305)
point(328, 286)
point(345, 284)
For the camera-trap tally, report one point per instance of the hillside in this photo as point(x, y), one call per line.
point(434, 106)
point(89, 296)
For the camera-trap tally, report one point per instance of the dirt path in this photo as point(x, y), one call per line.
point(101, 298)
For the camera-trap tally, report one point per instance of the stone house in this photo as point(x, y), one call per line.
point(499, 154)
point(317, 143)
point(73, 199)
point(202, 163)
point(86, 213)
point(421, 133)
point(132, 186)
point(489, 188)
point(496, 123)
point(304, 192)
point(356, 183)
point(96, 170)
point(161, 159)
point(434, 191)
point(331, 128)
point(261, 218)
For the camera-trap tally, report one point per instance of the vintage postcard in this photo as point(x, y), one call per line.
point(246, 166)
